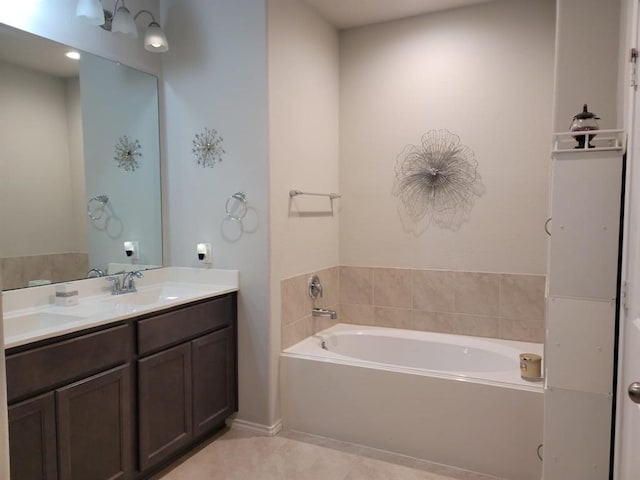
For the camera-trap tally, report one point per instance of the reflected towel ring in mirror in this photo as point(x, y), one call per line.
point(236, 206)
point(95, 211)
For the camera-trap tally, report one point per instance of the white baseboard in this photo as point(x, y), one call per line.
point(257, 428)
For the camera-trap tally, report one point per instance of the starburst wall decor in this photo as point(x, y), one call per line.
point(127, 153)
point(207, 148)
point(436, 182)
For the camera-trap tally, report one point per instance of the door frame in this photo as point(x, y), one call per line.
point(630, 263)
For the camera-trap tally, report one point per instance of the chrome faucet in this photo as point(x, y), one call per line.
point(127, 285)
point(95, 272)
point(324, 312)
point(127, 281)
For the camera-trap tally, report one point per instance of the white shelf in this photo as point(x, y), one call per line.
point(604, 141)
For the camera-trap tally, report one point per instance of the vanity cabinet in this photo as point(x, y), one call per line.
point(187, 390)
point(82, 424)
point(122, 400)
point(32, 432)
point(93, 418)
point(214, 379)
point(164, 388)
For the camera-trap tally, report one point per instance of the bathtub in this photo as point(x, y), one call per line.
point(450, 399)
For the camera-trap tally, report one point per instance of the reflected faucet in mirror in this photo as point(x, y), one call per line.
point(95, 272)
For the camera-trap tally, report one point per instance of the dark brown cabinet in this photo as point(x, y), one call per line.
point(32, 431)
point(164, 392)
point(116, 403)
point(94, 427)
point(214, 380)
point(188, 390)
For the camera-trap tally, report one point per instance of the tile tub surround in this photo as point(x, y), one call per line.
point(297, 322)
point(497, 305)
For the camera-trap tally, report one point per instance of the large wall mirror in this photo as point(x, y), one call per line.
point(79, 164)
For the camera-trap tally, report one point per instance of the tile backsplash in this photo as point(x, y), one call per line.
point(507, 306)
point(57, 267)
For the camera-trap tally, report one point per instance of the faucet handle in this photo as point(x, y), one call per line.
point(116, 284)
point(127, 279)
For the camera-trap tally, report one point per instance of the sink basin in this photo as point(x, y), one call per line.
point(133, 299)
point(150, 296)
point(36, 321)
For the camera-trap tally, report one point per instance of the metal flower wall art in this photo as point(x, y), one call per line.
point(207, 148)
point(127, 154)
point(436, 182)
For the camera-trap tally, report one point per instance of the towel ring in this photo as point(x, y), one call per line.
point(97, 211)
point(236, 206)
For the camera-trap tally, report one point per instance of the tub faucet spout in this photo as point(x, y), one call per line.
point(324, 312)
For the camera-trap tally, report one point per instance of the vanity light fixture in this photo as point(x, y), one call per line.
point(122, 21)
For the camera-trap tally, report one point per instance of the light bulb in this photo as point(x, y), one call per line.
point(155, 39)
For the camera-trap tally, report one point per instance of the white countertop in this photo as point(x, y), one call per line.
point(30, 315)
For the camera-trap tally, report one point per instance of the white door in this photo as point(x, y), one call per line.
point(627, 458)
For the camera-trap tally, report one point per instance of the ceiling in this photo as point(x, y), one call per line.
point(36, 53)
point(355, 13)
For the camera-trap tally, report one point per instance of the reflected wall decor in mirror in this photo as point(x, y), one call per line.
point(66, 206)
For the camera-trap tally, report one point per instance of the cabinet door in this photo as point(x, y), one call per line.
point(164, 409)
point(32, 439)
point(214, 379)
point(94, 427)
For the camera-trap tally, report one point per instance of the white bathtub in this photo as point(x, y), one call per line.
point(450, 399)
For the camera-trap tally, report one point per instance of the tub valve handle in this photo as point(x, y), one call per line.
point(315, 287)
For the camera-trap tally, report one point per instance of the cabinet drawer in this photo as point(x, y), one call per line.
point(174, 327)
point(45, 368)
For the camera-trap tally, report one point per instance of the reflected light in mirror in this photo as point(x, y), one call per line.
point(123, 23)
point(72, 55)
point(91, 10)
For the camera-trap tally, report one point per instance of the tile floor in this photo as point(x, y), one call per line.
point(240, 455)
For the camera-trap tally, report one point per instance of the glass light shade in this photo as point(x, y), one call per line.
point(123, 23)
point(91, 10)
point(155, 39)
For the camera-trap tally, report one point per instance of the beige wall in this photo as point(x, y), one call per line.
point(586, 62)
point(486, 74)
point(303, 152)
